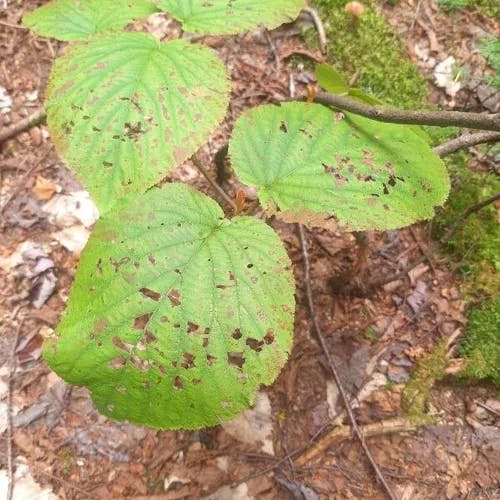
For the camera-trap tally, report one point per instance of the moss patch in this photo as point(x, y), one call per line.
point(485, 7)
point(481, 347)
point(417, 392)
point(475, 245)
point(369, 45)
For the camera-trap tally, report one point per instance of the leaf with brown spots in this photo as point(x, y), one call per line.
point(171, 347)
point(124, 109)
point(323, 168)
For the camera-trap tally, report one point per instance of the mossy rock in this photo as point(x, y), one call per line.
point(369, 44)
point(481, 347)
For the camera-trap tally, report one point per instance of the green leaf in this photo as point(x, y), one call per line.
point(359, 95)
point(325, 168)
point(125, 109)
point(223, 17)
point(330, 79)
point(79, 19)
point(176, 315)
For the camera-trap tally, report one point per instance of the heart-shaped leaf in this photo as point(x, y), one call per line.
point(125, 109)
point(223, 17)
point(176, 315)
point(325, 168)
point(70, 20)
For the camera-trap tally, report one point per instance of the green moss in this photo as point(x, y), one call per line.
point(369, 45)
point(490, 49)
point(485, 7)
point(481, 347)
point(475, 245)
point(417, 392)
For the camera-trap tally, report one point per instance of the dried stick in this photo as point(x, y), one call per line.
point(21, 126)
point(319, 27)
point(483, 121)
point(469, 211)
point(352, 419)
point(197, 163)
point(466, 141)
point(391, 426)
point(12, 371)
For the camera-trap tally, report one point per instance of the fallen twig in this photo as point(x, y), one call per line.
point(331, 364)
point(12, 371)
point(319, 27)
point(488, 408)
point(197, 163)
point(423, 249)
point(466, 141)
point(21, 126)
point(335, 436)
point(472, 209)
point(483, 121)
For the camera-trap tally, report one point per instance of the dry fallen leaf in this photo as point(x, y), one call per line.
point(44, 189)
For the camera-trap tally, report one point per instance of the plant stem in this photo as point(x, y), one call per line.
point(26, 123)
point(197, 163)
point(466, 141)
point(483, 121)
point(333, 368)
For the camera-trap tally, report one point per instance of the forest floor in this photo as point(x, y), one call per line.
point(432, 436)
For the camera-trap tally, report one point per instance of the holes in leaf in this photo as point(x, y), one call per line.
point(196, 381)
point(236, 359)
point(178, 383)
point(110, 407)
point(141, 364)
point(187, 361)
point(174, 297)
point(192, 327)
point(237, 334)
point(283, 127)
point(226, 404)
point(141, 321)
point(249, 266)
point(269, 338)
point(211, 360)
point(254, 344)
point(121, 389)
point(205, 342)
point(149, 338)
point(117, 363)
point(152, 259)
point(150, 294)
point(118, 342)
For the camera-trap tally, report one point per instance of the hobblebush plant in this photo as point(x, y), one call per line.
point(178, 314)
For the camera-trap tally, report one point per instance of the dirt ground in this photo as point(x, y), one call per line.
point(289, 446)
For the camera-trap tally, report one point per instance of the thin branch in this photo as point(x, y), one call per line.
point(488, 408)
point(352, 419)
point(10, 382)
point(391, 426)
point(466, 141)
point(197, 163)
point(483, 121)
point(21, 126)
point(466, 213)
point(319, 27)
